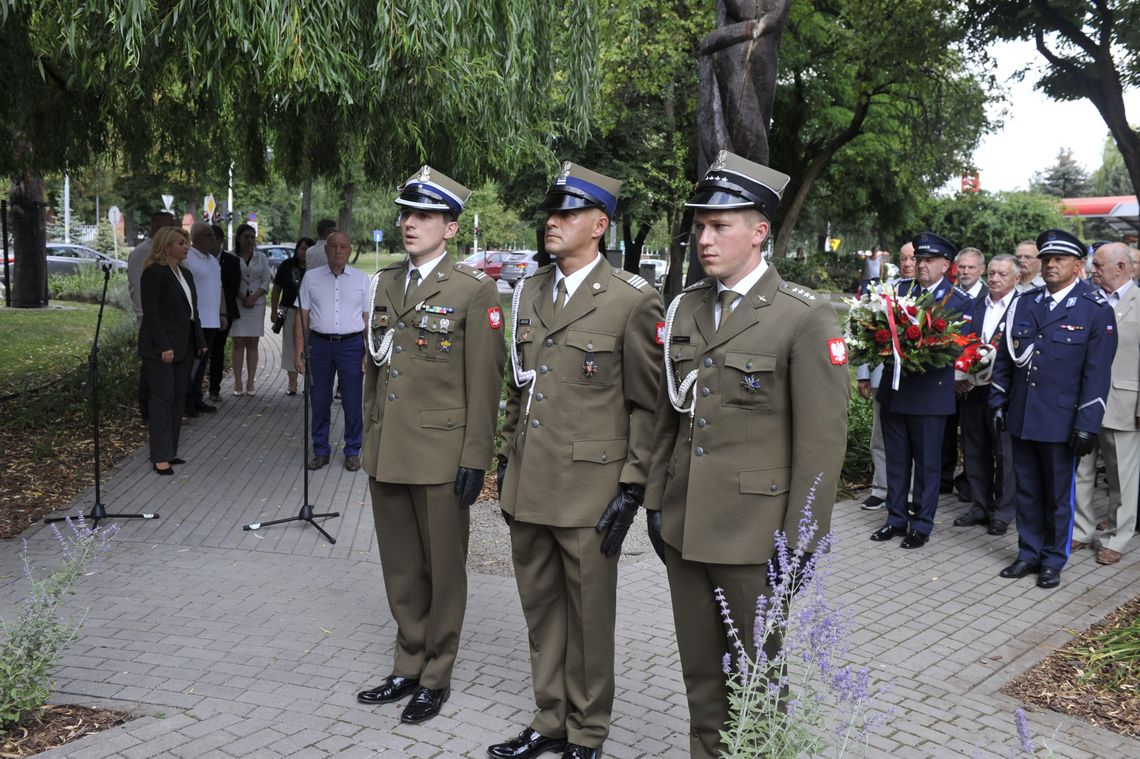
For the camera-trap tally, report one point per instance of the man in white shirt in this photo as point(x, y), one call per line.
point(136, 262)
point(1119, 438)
point(211, 308)
point(1026, 254)
point(334, 307)
point(989, 456)
point(317, 257)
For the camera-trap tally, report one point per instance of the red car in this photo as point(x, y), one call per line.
point(488, 261)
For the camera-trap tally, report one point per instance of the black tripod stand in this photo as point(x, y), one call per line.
point(306, 514)
point(98, 511)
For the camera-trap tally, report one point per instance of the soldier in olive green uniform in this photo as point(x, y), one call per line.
point(586, 367)
point(431, 400)
point(753, 407)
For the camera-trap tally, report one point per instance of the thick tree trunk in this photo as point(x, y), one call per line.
point(129, 236)
point(306, 208)
point(633, 244)
point(543, 258)
point(344, 218)
point(29, 237)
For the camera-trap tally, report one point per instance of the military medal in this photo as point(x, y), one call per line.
point(444, 343)
point(590, 368)
point(750, 383)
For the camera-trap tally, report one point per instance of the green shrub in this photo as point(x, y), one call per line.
point(34, 642)
point(857, 463)
point(87, 287)
point(822, 273)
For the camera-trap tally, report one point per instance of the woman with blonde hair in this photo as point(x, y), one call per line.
point(170, 336)
point(250, 326)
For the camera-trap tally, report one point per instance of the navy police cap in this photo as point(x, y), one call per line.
point(578, 187)
point(733, 182)
point(930, 245)
point(1058, 242)
point(431, 190)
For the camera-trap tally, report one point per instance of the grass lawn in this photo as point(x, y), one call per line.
point(41, 344)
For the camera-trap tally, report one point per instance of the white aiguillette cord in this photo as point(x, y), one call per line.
point(521, 378)
point(677, 392)
point(383, 353)
point(1027, 354)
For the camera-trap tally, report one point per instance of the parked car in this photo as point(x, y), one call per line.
point(488, 261)
point(277, 253)
point(660, 268)
point(520, 263)
point(65, 258)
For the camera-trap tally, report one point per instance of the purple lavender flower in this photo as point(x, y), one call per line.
point(1023, 732)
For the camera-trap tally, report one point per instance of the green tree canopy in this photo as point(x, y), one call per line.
point(1064, 179)
point(993, 222)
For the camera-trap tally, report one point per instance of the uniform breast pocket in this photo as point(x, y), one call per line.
point(684, 358)
point(436, 338)
point(748, 379)
point(590, 358)
point(1068, 345)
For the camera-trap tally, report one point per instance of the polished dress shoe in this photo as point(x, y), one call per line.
point(393, 688)
point(969, 520)
point(317, 462)
point(1077, 545)
point(914, 539)
point(204, 408)
point(574, 751)
point(997, 527)
point(886, 532)
point(168, 472)
point(1019, 569)
point(425, 704)
point(526, 744)
point(1048, 577)
point(1108, 556)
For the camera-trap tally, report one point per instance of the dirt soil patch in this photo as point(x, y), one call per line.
point(55, 726)
point(1059, 682)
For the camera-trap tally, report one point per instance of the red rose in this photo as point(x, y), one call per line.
point(940, 324)
point(913, 332)
point(882, 337)
point(912, 310)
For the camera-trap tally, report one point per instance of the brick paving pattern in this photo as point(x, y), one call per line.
point(253, 644)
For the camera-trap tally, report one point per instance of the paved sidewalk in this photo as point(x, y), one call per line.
point(244, 644)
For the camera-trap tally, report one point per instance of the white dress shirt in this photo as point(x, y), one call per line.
point(741, 288)
point(977, 288)
point(1113, 298)
point(1060, 295)
point(207, 273)
point(994, 311)
point(425, 270)
point(573, 280)
point(336, 303)
point(185, 288)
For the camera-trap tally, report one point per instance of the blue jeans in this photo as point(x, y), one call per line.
point(327, 360)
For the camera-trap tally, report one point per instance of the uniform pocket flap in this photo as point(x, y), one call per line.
point(771, 481)
point(1071, 338)
point(1126, 384)
point(683, 352)
point(750, 362)
point(600, 451)
point(591, 341)
point(443, 418)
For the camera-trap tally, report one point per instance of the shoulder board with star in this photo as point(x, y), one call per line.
point(470, 271)
point(961, 292)
point(636, 281)
point(706, 282)
point(799, 292)
point(1097, 297)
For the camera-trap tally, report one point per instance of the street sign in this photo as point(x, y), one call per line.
point(209, 206)
point(168, 202)
point(114, 215)
point(377, 235)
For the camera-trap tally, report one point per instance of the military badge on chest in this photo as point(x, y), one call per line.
point(750, 383)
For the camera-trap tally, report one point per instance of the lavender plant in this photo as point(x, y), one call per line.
point(791, 695)
point(33, 643)
point(1025, 738)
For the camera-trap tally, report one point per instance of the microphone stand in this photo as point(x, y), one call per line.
point(306, 514)
point(98, 511)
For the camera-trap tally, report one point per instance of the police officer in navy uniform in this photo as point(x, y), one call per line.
point(914, 416)
point(1049, 388)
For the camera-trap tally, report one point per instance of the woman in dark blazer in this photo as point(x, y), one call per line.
point(169, 337)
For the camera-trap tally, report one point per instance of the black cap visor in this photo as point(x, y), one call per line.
point(567, 199)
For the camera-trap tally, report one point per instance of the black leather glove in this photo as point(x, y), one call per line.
point(500, 473)
point(997, 419)
point(506, 517)
point(468, 483)
point(1083, 443)
point(797, 580)
point(653, 524)
point(619, 517)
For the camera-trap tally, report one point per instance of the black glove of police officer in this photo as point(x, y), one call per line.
point(998, 421)
point(653, 523)
point(619, 517)
point(1083, 443)
point(468, 483)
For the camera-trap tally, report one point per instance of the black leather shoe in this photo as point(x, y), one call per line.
point(574, 751)
point(1048, 577)
point(997, 527)
point(203, 407)
point(1019, 569)
point(190, 412)
point(393, 688)
point(914, 540)
point(425, 704)
point(886, 532)
point(178, 461)
point(969, 520)
point(526, 744)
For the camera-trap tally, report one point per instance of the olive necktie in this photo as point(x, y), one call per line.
point(726, 299)
point(413, 283)
point(561, 298)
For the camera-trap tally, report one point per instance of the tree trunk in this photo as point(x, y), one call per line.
point(129, 236)
point(344, 218)
point(306, 207)
point(543, 258)
point(29, 236)
point(633, 244)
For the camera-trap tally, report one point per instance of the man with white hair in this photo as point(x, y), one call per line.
point(211, 308)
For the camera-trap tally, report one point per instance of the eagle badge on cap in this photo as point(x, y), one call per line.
point(564, 174)
point(425, 173)
point(720, 162)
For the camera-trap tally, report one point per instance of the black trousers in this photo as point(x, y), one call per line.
point(218, 360)
point(167, 400)
point(989, 460)
point(198, 373)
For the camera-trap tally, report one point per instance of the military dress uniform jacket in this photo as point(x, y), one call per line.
point(1124, 398)
point(1064, 385)
point(598, 366)
point(433, 407)
point(771, 415)
point(928, 393)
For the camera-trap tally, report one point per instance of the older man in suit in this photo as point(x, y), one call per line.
point(1119, 438)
